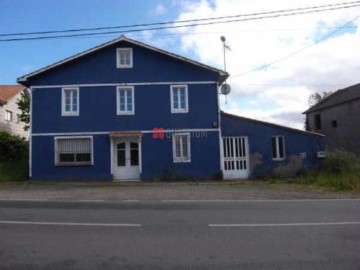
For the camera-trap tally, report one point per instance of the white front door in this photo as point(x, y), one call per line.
point(235, 158)
point(126, 160)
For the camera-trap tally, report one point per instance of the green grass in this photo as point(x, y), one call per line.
point(14, 171)
point(343, 181)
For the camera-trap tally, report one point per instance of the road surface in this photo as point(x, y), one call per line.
point(268, 234)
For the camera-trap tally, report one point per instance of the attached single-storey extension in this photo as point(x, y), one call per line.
point(266, 149)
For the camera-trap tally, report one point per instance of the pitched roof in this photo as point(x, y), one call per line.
point(23, 79)
point(272, 124)
point(339, 97)
point(9, 91)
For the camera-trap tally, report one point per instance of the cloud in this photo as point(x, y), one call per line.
point(159, 9)
point(279, 92)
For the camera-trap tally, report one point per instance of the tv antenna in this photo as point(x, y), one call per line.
point(225, 89)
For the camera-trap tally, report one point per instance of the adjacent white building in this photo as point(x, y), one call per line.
point(9, 112)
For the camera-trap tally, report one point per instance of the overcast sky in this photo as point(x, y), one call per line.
point(277, 93)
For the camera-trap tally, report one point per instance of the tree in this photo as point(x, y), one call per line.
point(24, 105)
point(315, 98)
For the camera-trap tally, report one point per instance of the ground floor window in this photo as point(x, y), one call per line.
point(181, 147)
point(73, 151)
point(278, 147)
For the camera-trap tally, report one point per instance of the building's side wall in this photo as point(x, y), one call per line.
point(346, 134)
point(13, 126)
point(259, 135)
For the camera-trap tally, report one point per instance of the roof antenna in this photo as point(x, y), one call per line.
point(225, 88)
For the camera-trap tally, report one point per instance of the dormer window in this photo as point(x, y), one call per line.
point(124, 58)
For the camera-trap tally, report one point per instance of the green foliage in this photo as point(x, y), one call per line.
point(12, 147)
point(24, 105)
point(14, 170)
point(315, 98)
point(340, 170)
point(340, 162)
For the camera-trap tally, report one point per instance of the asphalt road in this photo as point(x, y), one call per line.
point(309, 234)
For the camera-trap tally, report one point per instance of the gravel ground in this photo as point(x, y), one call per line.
point(166, 191)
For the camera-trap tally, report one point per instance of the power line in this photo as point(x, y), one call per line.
point(298, 11)
point(298, 51)
point(176, 22)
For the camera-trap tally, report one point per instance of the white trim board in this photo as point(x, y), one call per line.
point(108, 132)
point(120, 84)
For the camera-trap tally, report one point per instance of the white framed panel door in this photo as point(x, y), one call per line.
point(126, 161)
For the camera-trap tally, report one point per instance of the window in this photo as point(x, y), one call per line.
point(179, 99)
point(18, 118)
point(70, 101)
point(278, 147)
point(124, 58)
point(8, 116)
point(317, 120)
point(334, 123)
point(125, 100)
point(73, 151)
point(181, 147)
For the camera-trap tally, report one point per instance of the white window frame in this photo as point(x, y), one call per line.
point(182, 158)
point(177, 110)
point(118, 62)
point(277, 158)
point(8, 116)
point(63, 101)
point(126, 112)
point(58, 163)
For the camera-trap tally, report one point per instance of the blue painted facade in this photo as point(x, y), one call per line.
point(259, 138)
point(98, 109)
point(97, 77)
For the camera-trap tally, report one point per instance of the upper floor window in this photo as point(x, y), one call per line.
point(124, 58)
point(317, 120)
point(73, 151)
point(125, 100)
point(8, 116)
point(181, 147)
point(70, 101)
point(278, 147)
point(179, 99)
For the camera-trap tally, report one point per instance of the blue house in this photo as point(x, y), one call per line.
point(125, 110)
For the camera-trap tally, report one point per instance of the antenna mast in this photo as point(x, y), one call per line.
point(225, 88)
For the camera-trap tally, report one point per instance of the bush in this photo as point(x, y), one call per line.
point(340, 170)
point(340, 162)
point(13, 157)
point(14, 170)
point(12, 147)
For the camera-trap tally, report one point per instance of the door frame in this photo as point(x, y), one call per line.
point(114, 140)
